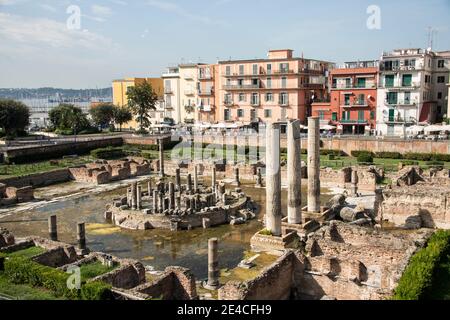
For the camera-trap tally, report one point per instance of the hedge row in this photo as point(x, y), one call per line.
point(406, 156)
point(21, 270)
point(417, 279)
point(108, 153)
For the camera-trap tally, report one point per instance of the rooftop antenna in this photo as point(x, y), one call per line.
point(431, 33)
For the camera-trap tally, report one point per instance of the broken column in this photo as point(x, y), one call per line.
point(195, 179)
point(81, 236)
point(161, 203)
point(213, 178)
point(313, 165)
point(189, 184)
point(139, 197)
point(237, 181)
point(273, 180)
point(171, 196)
point(52, 228)
point(178, 179)
point(213, 264)
point(149, 188)
point(294, 173)
point(155, 201)
point(355, 181)
point(134, 196)
point(161, 157)
point(259, 183)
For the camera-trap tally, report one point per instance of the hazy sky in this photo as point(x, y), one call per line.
point(127, 38)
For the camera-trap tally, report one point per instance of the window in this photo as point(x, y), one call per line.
point(361, 115)
point(284, 67)
point(348, 83)
point(322, 115)
point(427, 79)
point(407, 80)
point(228, 70)
point(361, 83)
point(255, 69)
point(167, 84)
point(241, 97)
point(255, 99)
point(240, 113)
point(269, 97)
point(240, 82)
point(439, 95)
point(345, 115)
point(372, 115)
point(283, 82)
point(334, 82)
point(227, 114)
point(255, 83)
point(334, 116)
point(389, 81)
point(241, 69)
point(269, 83)
point(269, 69)
point(267, 113)
point(253, 115)
point(407, 97)
point(391, 97)
point(284, 99)
point(361, 99)
point(347, 99)
point(441, 63)
point(228, 99)
point(441, 79)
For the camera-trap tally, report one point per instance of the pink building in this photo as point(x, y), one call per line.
point(278, 88)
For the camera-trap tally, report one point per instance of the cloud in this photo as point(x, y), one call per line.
point(47, 7)
point(175, 8)
point(10, 2)
point(101, 10)
point(18, 32)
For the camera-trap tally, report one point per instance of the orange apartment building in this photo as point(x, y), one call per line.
point(353, 98)
point(278, 88)
point(207, 98)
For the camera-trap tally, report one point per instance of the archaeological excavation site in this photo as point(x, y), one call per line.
point(281, 225)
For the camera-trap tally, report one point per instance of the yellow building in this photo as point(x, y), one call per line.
point(120, 88)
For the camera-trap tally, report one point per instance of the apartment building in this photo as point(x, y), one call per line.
point(277, 88)
point(440, 80)
point(172, 94)
point(206, 108)
point(405, 90)
point(353, 98)
point(120, 98)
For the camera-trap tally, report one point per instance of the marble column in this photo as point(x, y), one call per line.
point(149, 188)
point(178, 179)
point(213, 264)
point(237, 181)
point(189, 183)
point(259, 182)
point(294, 173)
point(155, 202)
point(52, 228)
point(213, 178)
point(355, 181)
point(171, 196)
point(134, 196)
point(161, 157)
point(313, 165)
point(196, 179)
point(273, 180)
point(139, 197)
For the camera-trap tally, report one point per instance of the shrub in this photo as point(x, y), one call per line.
point(265, 232)
point(418, 276)
point(108, 153)
point(336, 153)
point(356, 153)
point(21, 270)
point(365, 158)
point(410, 163)
point(388, 155)
point(435, 164)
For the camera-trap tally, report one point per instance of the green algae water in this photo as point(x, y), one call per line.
point(156, 248)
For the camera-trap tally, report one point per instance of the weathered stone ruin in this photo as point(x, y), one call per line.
point(175, 206)
point(13, 195)
point(103, 171)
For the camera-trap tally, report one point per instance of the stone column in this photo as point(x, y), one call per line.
point(149, 188)
point(178, 204)
point(178, 179)
point(155, 202)
point(313, 164)
point(52, 228)
point(355, 181)
point(294, 173)
point(171, 196)
point(213, 264)
point(139, 197)
point(237, 181)
point(129, 197)
point(213, 178)
point(273, 180)
point(81, 236)
point(189, 183)
point(134, 196)
point(161, 203)
point(195, 179)
point(161, 157)
point(259, 183)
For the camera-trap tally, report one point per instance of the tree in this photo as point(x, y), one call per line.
point(121, 115)
point(67, 117)
point(14, 117)
point(102, 115)
point(141, 100)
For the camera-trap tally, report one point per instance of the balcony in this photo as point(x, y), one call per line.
point(398, 85)
point(189, 92)
point(354, 86)
point(228, 103)
point(206, 108)
point(242, 87)
point(205, 92)
point(350, 121)
point(357, 104)
point(399, 119)
point(189, 76)
point(255, 103)
point(204, 76)
point(168, 91)
point(283, 103)
point(283, 71)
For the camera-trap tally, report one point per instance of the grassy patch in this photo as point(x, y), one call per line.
point(28, 253)
point(240, 274)
point(23, 291)
point(92, 270)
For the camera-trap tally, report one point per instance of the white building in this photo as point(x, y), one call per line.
point(411, 89)
point(172, 94)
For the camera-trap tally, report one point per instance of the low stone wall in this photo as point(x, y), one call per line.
point(176, 283)
point(38, 179)
point(274, 283)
